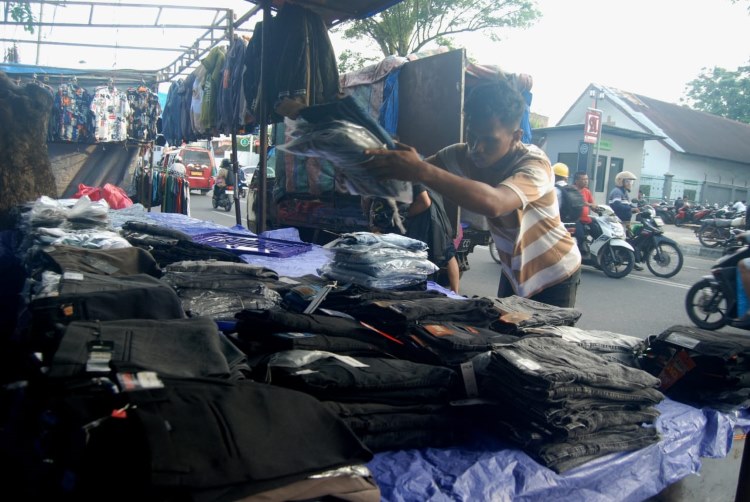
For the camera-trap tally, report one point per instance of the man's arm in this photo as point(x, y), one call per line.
point(405, 164)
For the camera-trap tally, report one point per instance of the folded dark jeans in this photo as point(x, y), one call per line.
point(399, 315)
point(544, 361)
point(369, 379)
point(191, 347)
point(561, 456)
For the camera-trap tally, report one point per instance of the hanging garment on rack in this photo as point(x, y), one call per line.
point(171, 114)
point(214, 64)
point(111, 110)
point(304, 63)
point(146, 110)
point(186, 100)
point(231, 102)
point(196, 104)
point(74, 118)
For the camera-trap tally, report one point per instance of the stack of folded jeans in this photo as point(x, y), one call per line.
point(386, 261)
point(388, 403)
point(565, 405)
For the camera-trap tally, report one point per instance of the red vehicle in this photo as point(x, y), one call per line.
point(200, 166)
point(690, 214)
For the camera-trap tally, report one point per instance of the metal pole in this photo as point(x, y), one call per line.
point(235, 163)
point(260, 224)
point(39, 33)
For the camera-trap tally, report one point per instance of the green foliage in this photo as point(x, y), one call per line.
point(721, 92)
point(21, 13)
point(350, 60)
point(411, 25)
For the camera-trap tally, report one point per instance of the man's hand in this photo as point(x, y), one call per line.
point(404, 163)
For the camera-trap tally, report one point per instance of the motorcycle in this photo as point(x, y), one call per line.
point(604, 245)
point(665, 212)
point(223, 198)
point(715, 232)
point(711, 303)
point(688, 214)
point(662, 255)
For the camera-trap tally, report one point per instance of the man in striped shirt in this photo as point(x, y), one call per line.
point(508, 182)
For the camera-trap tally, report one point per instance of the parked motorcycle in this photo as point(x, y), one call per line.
point(715, 232)
point(662, 255)
point(604, 245)
point(711, 303)
point(665, 212)
point(223, 198)
point(689, 214)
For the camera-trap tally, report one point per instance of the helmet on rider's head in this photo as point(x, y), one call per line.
point(561, 169)
point(622, 176)
point(226, 163)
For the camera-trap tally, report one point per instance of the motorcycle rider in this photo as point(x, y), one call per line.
point(224, 178)
point(581, 181)
point(619, 201)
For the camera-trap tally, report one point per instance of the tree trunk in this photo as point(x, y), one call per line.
point(25, 169)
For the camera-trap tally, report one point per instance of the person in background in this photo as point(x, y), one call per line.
point(739, 206)
point(678, 203)
point(224, 178)
point(425, 220)
point(178, 167)
point(510, 183)
point(581, 182)
point(619, 197)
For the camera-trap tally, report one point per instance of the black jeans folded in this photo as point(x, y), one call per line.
point(549, 362)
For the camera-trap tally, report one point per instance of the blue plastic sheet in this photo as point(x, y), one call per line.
point(493, 470)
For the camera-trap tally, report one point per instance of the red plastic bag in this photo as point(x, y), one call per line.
point(93, 193)
point(116, 197)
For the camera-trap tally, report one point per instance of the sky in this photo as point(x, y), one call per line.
point(648, 47)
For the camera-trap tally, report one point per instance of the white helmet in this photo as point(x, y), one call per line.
point(624, 175)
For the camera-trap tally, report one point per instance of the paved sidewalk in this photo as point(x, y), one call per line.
point(689, 243)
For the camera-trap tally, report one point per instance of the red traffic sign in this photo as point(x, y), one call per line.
point(592, 126)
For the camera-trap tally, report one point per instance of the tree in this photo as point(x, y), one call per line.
point(21, 12)
point(721, 92)
point(412, 25)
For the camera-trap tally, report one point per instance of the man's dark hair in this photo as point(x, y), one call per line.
point(579, 174)
point(496, 99)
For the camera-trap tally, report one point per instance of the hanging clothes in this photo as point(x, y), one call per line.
point(145, 111)
point(74, 120)
point(111, 111)
point(171, 114)
point(303, 62)
point(232, 99)
point(214, 65)
point(196, 103)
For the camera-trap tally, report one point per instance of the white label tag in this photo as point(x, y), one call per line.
point(470, 380)
point(350, 361)
point(73, 276)
point(682, 340)
point(529, 364)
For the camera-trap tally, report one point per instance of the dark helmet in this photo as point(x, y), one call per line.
point(226, 163)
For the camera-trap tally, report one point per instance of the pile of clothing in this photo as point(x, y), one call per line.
point(565, 405)
point(386, 261)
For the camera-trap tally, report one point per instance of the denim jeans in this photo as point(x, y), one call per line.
point(539, 314)
point(378, 380)
point(549, 362)
point(168, 347)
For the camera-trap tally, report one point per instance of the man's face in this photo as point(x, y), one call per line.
point(489, 141)
point(582, 181)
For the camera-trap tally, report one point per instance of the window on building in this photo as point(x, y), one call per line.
point(600, 173)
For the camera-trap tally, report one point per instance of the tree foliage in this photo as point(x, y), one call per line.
point(21, 12)
point(412, 25)
point(721, 92)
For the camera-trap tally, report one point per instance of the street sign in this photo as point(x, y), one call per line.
point(592, 125)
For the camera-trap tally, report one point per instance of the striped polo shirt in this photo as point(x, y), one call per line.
point(535, 248)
